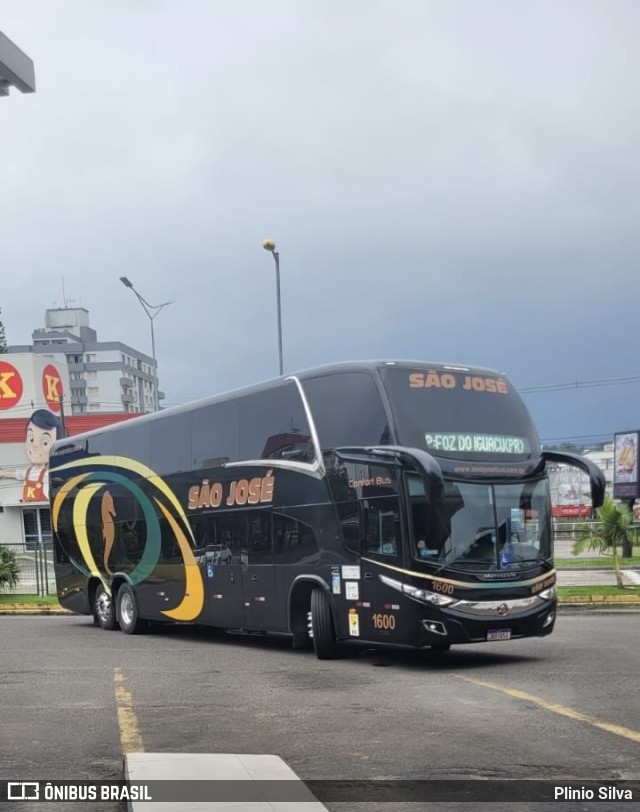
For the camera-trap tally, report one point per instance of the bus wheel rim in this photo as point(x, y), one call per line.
point(126, 609)
point(103, 606)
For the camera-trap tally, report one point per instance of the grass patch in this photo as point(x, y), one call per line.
point(566, 591)
point(34, 600)
point(595, 561)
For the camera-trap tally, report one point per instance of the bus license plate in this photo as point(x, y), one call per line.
point(499, 634)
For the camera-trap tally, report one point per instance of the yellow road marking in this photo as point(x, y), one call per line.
point(578, 716)
point(130, 737)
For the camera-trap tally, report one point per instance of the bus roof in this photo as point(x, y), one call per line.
point(310, 372)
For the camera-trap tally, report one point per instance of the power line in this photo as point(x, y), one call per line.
point(605, 437)
point(555, 387)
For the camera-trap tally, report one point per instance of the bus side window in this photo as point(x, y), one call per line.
point(230, 532)
point(382, 526)
point(349, 514)
point(293, 539)
point(259, 536)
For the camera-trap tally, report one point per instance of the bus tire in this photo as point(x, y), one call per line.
point(130, 621)
point(324, 634)
point(104, 611)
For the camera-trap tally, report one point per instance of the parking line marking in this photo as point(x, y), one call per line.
point(130, 737)
point(578, 716)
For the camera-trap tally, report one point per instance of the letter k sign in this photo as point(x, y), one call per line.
point(10, 385)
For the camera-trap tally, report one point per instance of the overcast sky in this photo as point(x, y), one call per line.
point(446, 181)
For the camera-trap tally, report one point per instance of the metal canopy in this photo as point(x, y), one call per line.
point(16, 69)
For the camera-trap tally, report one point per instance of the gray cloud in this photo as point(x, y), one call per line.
point(445, 180)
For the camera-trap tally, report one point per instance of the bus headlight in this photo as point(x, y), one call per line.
point(548, 594)
point(425, 596)
point(422, 595)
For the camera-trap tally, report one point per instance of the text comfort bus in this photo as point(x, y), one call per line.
point(390, 502)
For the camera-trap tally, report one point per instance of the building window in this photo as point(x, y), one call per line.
point(36, 523)
point(91, 357)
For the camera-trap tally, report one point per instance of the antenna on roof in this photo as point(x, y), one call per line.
point(66, 302)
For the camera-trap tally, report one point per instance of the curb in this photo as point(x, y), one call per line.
point(33, 610)
point(267, 779)
point(600, 600)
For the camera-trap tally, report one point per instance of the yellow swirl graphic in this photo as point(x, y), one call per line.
point(108, 514)
point(60, 497)
point(104, 470)
point(80, 506)
point(193, 600)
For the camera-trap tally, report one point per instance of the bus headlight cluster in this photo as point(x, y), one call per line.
point(417, 594)
point(548, 594)
point(427, 597)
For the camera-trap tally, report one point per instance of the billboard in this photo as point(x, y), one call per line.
point(29, 381)
point(570, 492)
point(31, 392)
point(625, 465)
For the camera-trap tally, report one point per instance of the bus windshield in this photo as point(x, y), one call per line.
point(460, 414)
point(482, 527)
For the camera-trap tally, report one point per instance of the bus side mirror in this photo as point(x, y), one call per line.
point(596, 477)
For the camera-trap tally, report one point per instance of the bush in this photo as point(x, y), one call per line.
point(9, 568)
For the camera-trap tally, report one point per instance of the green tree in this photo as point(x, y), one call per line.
point(612, 530)
point(3, 337)
point(9, 568)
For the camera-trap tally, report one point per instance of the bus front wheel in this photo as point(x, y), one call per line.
point(130, 621)
point(324, 634)
point(103, 609)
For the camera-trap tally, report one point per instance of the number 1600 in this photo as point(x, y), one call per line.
point(380, 621)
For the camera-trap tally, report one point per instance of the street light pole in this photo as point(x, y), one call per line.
point(151, 311)
point(269, 245)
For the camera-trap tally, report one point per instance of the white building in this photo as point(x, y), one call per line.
point(603, 458)
point(104, 376)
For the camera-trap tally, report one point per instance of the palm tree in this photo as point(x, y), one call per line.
point(613, 530)
point(9, 568)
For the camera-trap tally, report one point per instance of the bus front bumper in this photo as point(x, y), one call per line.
point(477, 622)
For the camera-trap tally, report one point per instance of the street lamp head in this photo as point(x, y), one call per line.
point(269, 245)
point(126, 282)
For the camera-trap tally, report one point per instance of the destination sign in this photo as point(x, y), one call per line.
point(459, 443)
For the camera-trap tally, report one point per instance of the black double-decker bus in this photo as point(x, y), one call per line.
point(390, 502)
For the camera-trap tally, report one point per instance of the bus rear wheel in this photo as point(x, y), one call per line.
point(104, 611)
point(130, 621)
point(324, 633)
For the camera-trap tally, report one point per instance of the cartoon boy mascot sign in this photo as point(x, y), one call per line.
point(43, 429)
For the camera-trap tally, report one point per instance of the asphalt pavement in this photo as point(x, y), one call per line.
point(563, 708)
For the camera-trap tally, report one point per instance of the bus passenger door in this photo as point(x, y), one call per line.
point(259, 573)
point(222, 565)
point(376, 607)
